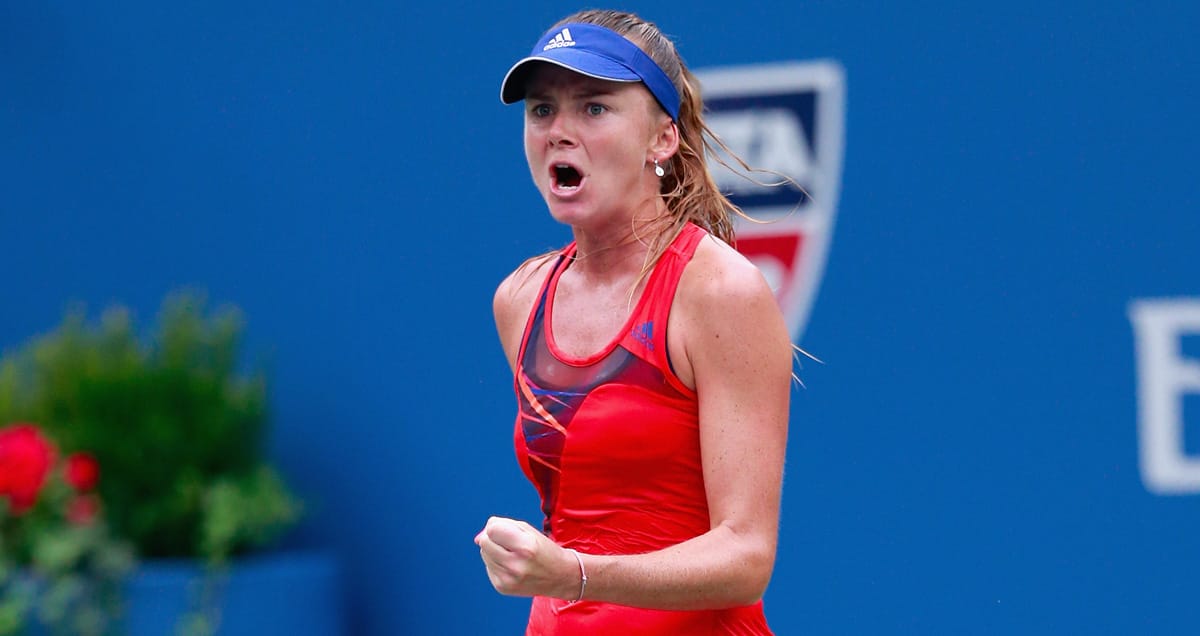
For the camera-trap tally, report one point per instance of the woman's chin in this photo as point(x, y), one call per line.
point(569, 212)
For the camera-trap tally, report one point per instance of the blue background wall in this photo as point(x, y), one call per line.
point(966, 460)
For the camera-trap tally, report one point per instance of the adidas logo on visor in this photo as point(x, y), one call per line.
point(562, 39)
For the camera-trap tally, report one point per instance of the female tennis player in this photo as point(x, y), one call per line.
point(652, 366)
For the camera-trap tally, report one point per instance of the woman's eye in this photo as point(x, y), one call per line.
point(595, 109)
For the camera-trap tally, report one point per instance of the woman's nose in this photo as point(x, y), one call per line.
point(561, 131)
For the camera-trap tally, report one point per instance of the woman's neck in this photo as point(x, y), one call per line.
point(619, 248)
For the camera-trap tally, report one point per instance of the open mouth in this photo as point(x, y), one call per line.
point(566, 176)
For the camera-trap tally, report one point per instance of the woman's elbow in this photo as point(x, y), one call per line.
point(755, 575)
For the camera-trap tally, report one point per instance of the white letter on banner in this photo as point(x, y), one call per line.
point(770, 139)
point(1164, 377)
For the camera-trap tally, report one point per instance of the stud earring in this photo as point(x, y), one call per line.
point(658, 170)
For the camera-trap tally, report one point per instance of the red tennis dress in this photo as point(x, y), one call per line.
point(612, 444)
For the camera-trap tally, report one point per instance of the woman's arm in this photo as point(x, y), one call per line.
point(736, 352)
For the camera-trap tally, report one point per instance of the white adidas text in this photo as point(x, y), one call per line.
point(560, 40)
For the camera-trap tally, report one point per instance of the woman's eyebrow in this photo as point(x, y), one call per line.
point(594, 91)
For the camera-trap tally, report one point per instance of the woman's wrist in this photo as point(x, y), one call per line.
point(582, 577)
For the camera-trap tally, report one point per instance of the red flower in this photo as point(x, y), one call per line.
point(25, 460)
point(83, 471)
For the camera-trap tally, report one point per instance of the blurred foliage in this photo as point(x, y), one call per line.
point(176, 425)
point(60, 566)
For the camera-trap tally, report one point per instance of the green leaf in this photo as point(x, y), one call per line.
point(246, 512)
point(13, 609)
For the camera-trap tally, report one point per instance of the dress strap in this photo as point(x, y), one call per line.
point(539, 308)
point(647, 338)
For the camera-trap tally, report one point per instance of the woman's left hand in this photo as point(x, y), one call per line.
point(524, 562)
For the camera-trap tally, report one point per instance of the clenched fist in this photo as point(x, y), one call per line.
point(521, 561)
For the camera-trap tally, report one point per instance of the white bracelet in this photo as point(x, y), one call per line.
point(582, 575)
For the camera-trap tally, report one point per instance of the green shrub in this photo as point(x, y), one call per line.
point(176, 424)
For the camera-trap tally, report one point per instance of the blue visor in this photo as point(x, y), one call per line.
point(594, 51)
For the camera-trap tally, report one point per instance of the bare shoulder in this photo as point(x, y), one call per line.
point(719, 276)
point(726, 314)
point(514, 300)
point(523, 282)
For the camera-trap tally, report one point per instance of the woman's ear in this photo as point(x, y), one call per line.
point(666, 141)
